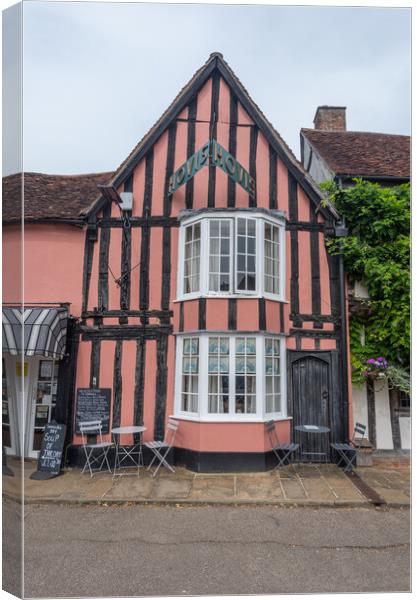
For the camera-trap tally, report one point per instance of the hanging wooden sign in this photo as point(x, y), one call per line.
point(212, 153)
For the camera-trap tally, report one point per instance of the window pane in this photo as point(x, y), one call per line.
point(251, 404)
point(191, 282)
point(240, 404)
point(194, 346)
point(214, 246)
point(241, 281)
point(271, 259)
point(213, 345)
point(251, 245)
point(224, 283)
point(219, 258)
point(218, 367)
point(241, 226)
point(245, 255)
point(225, 229)
point(272, 378)
point(250, 385)
point(214, 228)
point(224, 345)
point(213, 366)
point(213, 387)
point(225, 245)
point(189, 397)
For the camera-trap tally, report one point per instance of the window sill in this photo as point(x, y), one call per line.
point(230, 421)
point(225, 296)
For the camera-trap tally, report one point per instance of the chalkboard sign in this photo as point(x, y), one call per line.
point(50, 455)
point(93, 404)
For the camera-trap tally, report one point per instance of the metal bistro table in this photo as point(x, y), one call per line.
point(315, 429)
point(132, 454)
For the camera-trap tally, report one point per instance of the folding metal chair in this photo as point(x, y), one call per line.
point(95, 453)
point(348, 451)
point(161, 449)
point(281, 451)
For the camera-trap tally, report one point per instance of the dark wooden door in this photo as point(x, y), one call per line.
point(311, 395)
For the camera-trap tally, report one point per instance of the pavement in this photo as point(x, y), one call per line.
point(387, 483)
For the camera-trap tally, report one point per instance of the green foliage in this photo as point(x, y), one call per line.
point(377, 252)
point(399, 378)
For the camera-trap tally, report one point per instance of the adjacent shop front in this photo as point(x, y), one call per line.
point(34, 344)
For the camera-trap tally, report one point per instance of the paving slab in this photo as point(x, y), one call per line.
point(130, 488)
point(213, 488)
point(172, 488)
point(316, 488)
point(252, 488)
point(293, 489)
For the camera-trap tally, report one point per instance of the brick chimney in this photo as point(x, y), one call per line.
point(330, 118)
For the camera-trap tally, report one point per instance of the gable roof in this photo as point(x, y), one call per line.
point(49, 197)
point(361, 153)
point(216, 61)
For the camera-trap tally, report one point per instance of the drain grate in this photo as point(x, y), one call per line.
point(366, 490)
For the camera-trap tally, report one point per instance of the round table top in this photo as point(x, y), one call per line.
point(129, 429)
point(312, 428)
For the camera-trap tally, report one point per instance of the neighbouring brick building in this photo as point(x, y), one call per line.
point(331, 152)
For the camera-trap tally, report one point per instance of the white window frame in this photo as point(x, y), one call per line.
point(203, 415)
point(261, 218)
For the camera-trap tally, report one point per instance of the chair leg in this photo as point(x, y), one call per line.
point(152, 461)
point(162, 461)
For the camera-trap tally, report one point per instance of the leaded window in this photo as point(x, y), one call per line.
point(228, 253)
point(218, 375)
point(192, 258)
point(246, 255)
point(272, 376)
point(219, 257)
point(245, 368)
point(190, 368)
point(271, 258)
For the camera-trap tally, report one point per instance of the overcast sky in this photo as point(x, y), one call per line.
point(97, 76)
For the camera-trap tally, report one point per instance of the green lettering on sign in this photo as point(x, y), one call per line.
point(212, 153)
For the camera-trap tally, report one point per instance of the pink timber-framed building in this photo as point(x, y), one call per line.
point(212, 299)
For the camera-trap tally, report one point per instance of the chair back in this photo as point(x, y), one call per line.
point(272, 433)
point(172, 428)
point(360, 430)
point(90, 428)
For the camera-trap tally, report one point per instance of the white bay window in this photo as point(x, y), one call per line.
point(232, 253)
point(230, 377)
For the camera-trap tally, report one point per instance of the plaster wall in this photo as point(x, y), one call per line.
point(52, 264)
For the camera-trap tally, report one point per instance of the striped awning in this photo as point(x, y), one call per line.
point(35, 331)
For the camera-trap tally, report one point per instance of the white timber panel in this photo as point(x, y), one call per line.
point(383, 417)
point(405, 433)
point(360, 406)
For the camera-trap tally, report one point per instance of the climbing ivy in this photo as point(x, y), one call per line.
point(376, 252)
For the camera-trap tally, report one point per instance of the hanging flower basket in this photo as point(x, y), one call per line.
point(376, 368)
point(374, 375)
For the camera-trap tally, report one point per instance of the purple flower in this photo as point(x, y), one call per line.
point(381, 358)
point(371, 361)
